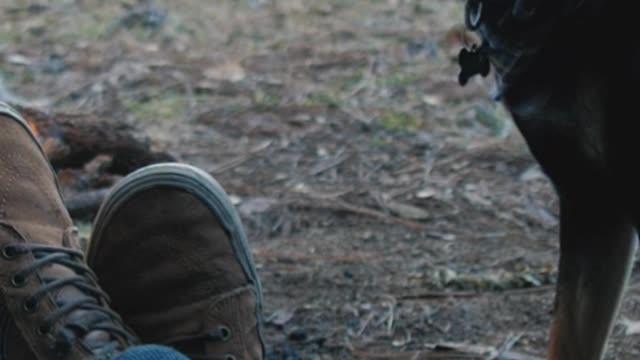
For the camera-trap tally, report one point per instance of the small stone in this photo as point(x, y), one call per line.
point(298, 334)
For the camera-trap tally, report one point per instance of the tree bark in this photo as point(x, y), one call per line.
point(72, 140)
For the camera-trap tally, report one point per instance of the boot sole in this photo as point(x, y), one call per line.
point(199, 184)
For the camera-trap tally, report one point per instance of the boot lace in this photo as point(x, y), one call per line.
point(82, 314)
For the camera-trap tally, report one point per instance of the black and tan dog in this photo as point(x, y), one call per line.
point(568, 72)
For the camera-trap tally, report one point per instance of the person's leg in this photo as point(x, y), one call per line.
point(169, 248)
point(50, 304)
point(151, 352)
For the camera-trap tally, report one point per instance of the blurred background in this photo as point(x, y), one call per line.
point(393, 214)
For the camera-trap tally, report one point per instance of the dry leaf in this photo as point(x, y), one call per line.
point(280, 317)
point(532, 173)
point(17, 59)
point(256, 205)
point(466, 348)
point(230, 71)
point(631, 327)
point(407, 211)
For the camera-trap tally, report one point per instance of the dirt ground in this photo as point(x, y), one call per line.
point(392, 213)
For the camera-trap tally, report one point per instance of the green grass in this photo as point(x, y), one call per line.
point(165, 107)
point(324, 98)
point(85, 28)
point(12, 36)
point(399, 121)
point(265, 99)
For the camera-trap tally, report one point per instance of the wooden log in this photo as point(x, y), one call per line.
point(85, 204)
point(72, 140)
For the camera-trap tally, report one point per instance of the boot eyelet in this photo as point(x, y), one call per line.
point(225, 332)
point(29, 306)
point(43, 330)
point(9, 252)
point(18, 281)
point(229, 357)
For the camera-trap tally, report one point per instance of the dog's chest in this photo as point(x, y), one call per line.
point(567, 128)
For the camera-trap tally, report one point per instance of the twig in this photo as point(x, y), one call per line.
point(467, 294)
point(355, 114)
point(526, 291)
point(510, 355)
point(402, 191)
point(329, 165)
point(367, 80)
point(366, 323)
point(353, 258)
point(392, 302)
point(429, 355)
point(417, 355)
point(337, 205)
point(76, 89)
point(511, 341)
point(410, 169)
point(440, 295)
point(239, 160)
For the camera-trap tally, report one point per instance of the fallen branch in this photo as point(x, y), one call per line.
point(239, 160)
point(440, 295)
point(353, 258)
point(342, 206)
point(511, 341)
point(319, 169)
point(417, 355)
point(527, 291)
point(85, 203)
point(466, 294)
point(430, 355)
point(72, 140)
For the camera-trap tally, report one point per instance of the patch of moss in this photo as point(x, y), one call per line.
point(166, 107)
point(265, 99)
point(324, 98)
point(399, 121)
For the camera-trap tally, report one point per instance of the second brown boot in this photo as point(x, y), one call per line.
point(50, 304)
point(169, 249)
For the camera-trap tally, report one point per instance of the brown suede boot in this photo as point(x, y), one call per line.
point(50, 304)
point(169, 249)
